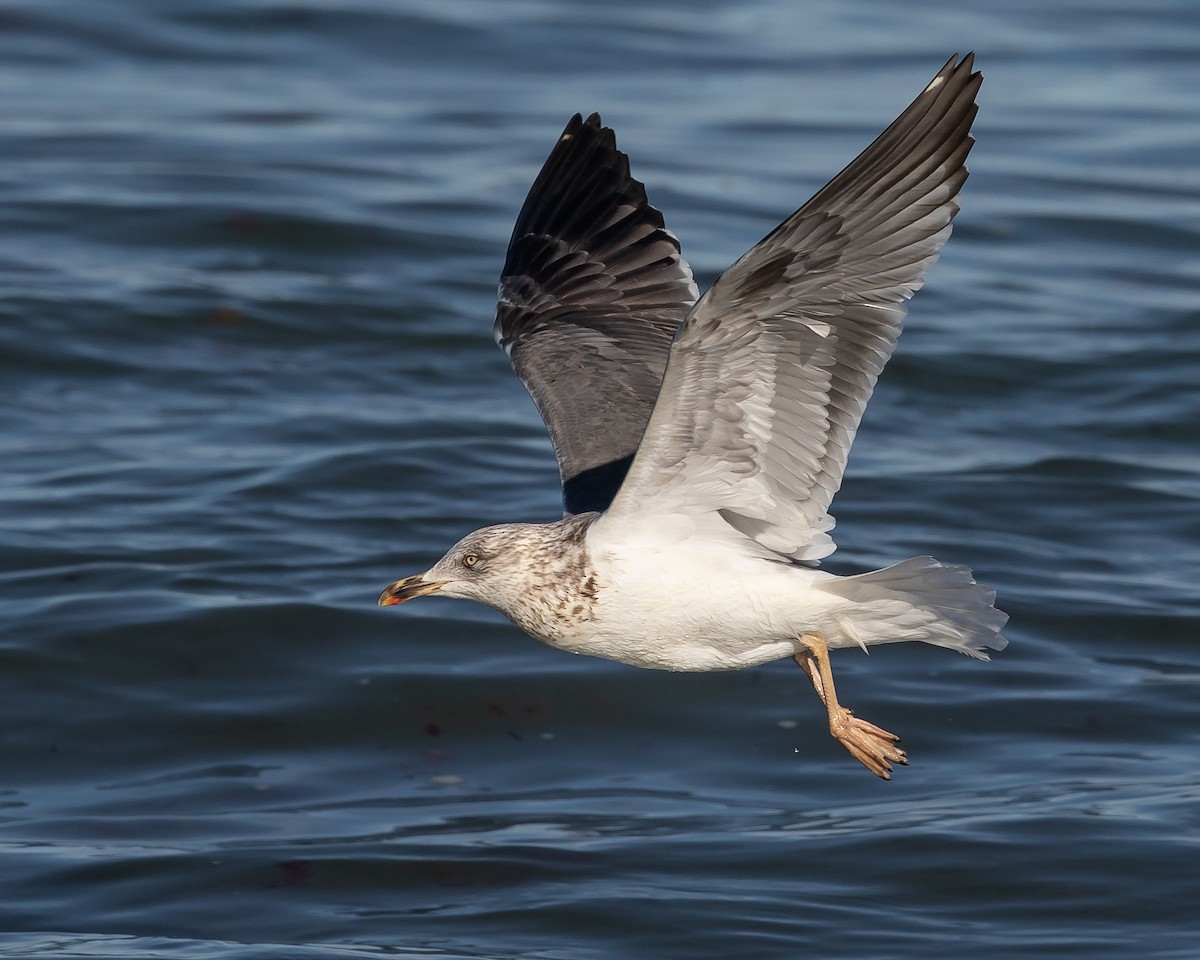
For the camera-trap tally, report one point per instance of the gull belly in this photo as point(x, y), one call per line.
point(695, 607)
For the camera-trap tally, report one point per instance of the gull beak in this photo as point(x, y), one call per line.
point(408, 588)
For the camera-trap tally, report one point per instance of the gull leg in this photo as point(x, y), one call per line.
point(870, 745)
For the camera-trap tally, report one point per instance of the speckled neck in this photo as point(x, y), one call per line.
point(560, 589)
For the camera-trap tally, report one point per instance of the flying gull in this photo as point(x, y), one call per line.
point(700, 440)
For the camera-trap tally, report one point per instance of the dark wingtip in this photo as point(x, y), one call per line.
point(964, 65)
point(593, 124)
point(956, 65)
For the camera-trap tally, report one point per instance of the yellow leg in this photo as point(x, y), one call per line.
point(870, 745)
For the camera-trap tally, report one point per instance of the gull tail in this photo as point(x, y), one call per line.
point(921, 599)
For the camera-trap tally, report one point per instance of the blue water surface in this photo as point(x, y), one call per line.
point(248, 256)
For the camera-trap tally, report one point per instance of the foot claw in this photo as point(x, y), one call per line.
point(870, 745)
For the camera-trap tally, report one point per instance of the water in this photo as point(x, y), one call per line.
point(247, 256)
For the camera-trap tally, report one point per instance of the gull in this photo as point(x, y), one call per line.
point(700, 440)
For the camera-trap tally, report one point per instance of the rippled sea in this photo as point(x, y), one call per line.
point(248, 255)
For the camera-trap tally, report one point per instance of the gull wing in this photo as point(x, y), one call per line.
point(594, 288)
point(770, 372)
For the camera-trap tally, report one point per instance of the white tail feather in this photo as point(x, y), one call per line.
point(921, 599)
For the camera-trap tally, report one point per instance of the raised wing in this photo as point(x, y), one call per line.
point(593, 290)
point(771, 371)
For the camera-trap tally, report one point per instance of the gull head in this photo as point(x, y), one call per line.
point(475, 568)
point(524, 570)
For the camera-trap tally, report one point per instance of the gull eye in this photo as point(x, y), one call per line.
point(470, 560)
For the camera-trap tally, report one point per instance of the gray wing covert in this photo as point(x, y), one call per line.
point(593, 290)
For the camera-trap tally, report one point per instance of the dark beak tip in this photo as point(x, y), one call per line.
point(404, 590)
